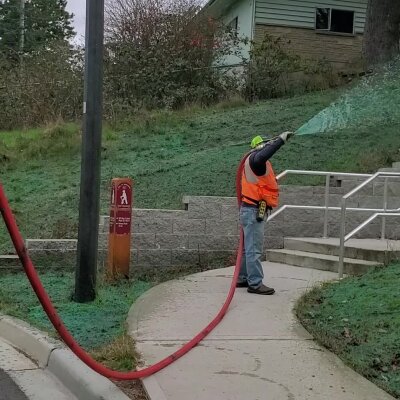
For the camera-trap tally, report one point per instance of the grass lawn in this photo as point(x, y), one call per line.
point(12, 138)
point(359, 320)
point(94, 325)
point(99, 327)
point(195, 152)
point(170, 154)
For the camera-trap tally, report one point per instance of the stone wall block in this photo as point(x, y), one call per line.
point(229, 212)
point(154, 258)
point(190, 258)
point(143, 241)
point(144, 213)
point(273, 242)
point(153, 225)
point(173, 242)
point(226, 227)
point(213, 242)
point(60, 245)
point(190, 226)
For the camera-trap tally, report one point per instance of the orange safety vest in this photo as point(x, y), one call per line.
point(256, 188)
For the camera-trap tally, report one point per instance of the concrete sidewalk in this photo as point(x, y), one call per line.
point(258, 352)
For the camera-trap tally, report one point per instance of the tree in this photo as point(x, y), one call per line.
point(49, 87)
point(382, 31)
point(45, 21)
point(163, 54)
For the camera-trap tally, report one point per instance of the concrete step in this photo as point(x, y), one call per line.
point(359, 249)
point(321, 262)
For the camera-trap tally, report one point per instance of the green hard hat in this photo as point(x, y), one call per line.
point(256, 141)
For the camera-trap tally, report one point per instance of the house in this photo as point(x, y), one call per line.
point(326, 29)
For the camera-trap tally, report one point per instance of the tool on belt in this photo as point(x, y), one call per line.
point(262, 210)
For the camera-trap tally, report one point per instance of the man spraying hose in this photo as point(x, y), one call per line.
point(260, 193)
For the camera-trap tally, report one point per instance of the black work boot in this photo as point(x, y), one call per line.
point(265, 290)
point(242, 284)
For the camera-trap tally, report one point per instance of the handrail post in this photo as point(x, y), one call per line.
point(342, 237)
point(385, 204)
point(327, 187)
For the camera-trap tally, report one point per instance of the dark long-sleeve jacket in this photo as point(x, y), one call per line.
point(259, 158)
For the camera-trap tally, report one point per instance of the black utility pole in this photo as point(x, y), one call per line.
point(85, 278)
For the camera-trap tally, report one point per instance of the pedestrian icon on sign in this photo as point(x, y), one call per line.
point(124, 198)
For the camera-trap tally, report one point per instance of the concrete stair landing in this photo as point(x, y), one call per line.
point(323, 254)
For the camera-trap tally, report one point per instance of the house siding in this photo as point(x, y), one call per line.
point(343, 52)
point(301, 13)
point(244, 11)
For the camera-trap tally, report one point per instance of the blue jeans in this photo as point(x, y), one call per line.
point(251, 269)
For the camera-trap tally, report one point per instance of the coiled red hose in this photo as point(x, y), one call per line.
point(63, 331)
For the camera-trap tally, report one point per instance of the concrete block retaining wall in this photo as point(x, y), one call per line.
point(206, 231)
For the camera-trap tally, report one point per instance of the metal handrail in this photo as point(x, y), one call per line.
point(369, 220)
point(321, 173)
point(330, 208)
point(369, 180)
point(328, 175)
point(387, 176)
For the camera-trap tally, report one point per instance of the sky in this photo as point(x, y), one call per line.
point(78, 8)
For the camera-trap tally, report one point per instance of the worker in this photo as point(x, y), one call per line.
point(260, 194)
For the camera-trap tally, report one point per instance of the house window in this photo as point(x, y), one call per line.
point(331, 20)
point(233, 25)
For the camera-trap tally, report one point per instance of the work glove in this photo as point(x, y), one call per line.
point(285, 136)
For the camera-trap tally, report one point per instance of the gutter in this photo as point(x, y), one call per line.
point(209, 4)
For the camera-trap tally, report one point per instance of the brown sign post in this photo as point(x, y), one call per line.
point(119, 241)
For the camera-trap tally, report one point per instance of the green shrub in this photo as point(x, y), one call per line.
point(268, 69)
point(46, 87)
point(162, 55)
point(273, 71)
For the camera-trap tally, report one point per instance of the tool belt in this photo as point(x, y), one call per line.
point(262, 206)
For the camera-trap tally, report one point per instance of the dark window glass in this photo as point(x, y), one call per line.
point(342, 21)
point(322, 18)
point(234, 24)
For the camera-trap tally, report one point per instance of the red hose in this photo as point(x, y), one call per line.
point(63, 331)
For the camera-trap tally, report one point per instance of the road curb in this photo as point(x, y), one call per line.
point(82, 381)
point(36, 344)
point(53, 356)
point(153, 389)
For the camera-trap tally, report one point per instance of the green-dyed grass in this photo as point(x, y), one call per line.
point(359, 320)
point(170, 154)
point(100, 326)
point(92, 324)
point(11, 138)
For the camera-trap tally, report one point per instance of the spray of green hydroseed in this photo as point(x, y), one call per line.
point(375, 99)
